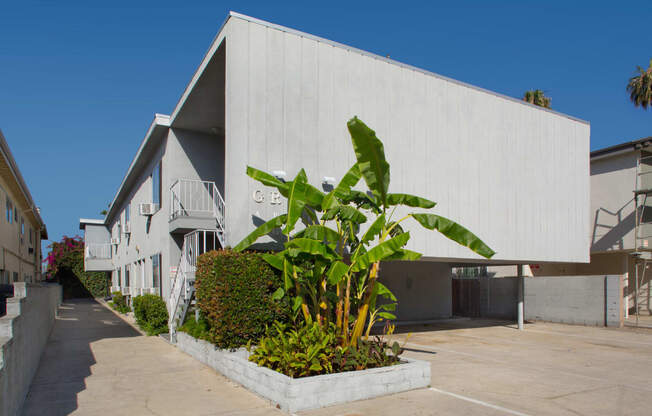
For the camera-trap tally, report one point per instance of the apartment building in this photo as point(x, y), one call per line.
point(278, 99)
point(21, 225)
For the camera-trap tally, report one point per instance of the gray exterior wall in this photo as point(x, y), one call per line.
point(584, 300)
point(183, 155)
point(423, 289)
point(613, 180)
point(492, 163)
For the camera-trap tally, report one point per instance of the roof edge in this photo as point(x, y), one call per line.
point(160, 120)
point(622, 147)
point(18, 177)
point(83, 222)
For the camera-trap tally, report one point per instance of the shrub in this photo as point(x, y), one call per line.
point(197, 329)
point(66, 265)
point(234, 293)
point(151, 314)
point(313, 349)
point(119, 303)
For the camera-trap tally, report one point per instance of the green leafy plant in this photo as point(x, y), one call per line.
point(313, 349)
point(199, 329)
point(234, 293)
point(119, 303)
point(330, 268)
point(151, 314)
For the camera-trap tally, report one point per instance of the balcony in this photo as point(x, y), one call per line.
point(97, 257)
point(194, 205)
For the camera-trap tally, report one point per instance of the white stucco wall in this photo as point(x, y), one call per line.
point(515, 175)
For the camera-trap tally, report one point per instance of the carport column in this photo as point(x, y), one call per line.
point(519, 273)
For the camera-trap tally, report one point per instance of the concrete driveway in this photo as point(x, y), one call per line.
point(95, 363)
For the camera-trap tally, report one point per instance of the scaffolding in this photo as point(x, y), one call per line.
point(642, 229)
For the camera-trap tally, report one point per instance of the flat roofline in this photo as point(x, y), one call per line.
point(160, 120)
point(5, 151)
point(83, 222)
point(213, 47)
point(622, 147)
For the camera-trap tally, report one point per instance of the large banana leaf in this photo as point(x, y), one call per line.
point(264, 229)
point(274, 260)
point(319, 232)
point(336, 271)
point(405, 255)
point(409, 200)
point(375, 229)
point(455, 232)
point(361, 200)
point(309, 246)
point(370, 153)
point(268, 180)
point(345, 213)
point(380, 252)
point(296, 200)
point(350, 179)
point(314, 197)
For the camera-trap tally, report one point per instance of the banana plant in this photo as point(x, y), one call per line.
point(331, 266)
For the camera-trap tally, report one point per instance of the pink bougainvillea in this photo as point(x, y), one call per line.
point(61, 253)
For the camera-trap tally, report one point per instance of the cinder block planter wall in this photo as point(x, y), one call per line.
point(293, 395)
point(24, 331)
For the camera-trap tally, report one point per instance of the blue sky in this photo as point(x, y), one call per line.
point(81, 80)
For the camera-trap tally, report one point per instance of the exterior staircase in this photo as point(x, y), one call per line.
point(182, 292)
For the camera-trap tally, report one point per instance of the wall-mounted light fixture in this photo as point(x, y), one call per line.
point(328, 180)
point(280, 174)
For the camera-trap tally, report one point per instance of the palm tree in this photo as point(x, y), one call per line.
point(537, 97)
point(640, 87)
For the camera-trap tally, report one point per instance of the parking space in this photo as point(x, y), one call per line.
point(488, 367)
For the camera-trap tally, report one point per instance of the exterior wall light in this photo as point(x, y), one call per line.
point(280, 174)
point(329, 180)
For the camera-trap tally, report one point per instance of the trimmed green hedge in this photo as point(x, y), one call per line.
point(151, 314)
point(234, 293)
point(119, 303)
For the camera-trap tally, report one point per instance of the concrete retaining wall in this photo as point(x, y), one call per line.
point(584, 300)
point(293, 395)
point(24, 331)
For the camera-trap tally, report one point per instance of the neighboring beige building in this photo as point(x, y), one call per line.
point(21, 226)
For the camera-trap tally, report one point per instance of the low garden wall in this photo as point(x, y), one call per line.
point(583, 300)
point(293, 395)
point(24, 331)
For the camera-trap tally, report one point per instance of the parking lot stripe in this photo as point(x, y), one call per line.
point(480, 402)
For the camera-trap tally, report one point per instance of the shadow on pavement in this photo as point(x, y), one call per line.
point(68, 357)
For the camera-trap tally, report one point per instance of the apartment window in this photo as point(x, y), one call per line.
point(156, 184)
point(16, 214)
point(10, 209)
point(156, 271)
point(15, 277)
point(22, 226)
point(127, 213)
point(127, 275)
point(119, 277)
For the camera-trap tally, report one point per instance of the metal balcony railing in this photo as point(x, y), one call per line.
point(194, 197)
point(98, 251)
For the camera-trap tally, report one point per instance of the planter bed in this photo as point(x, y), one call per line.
point(295, 394)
